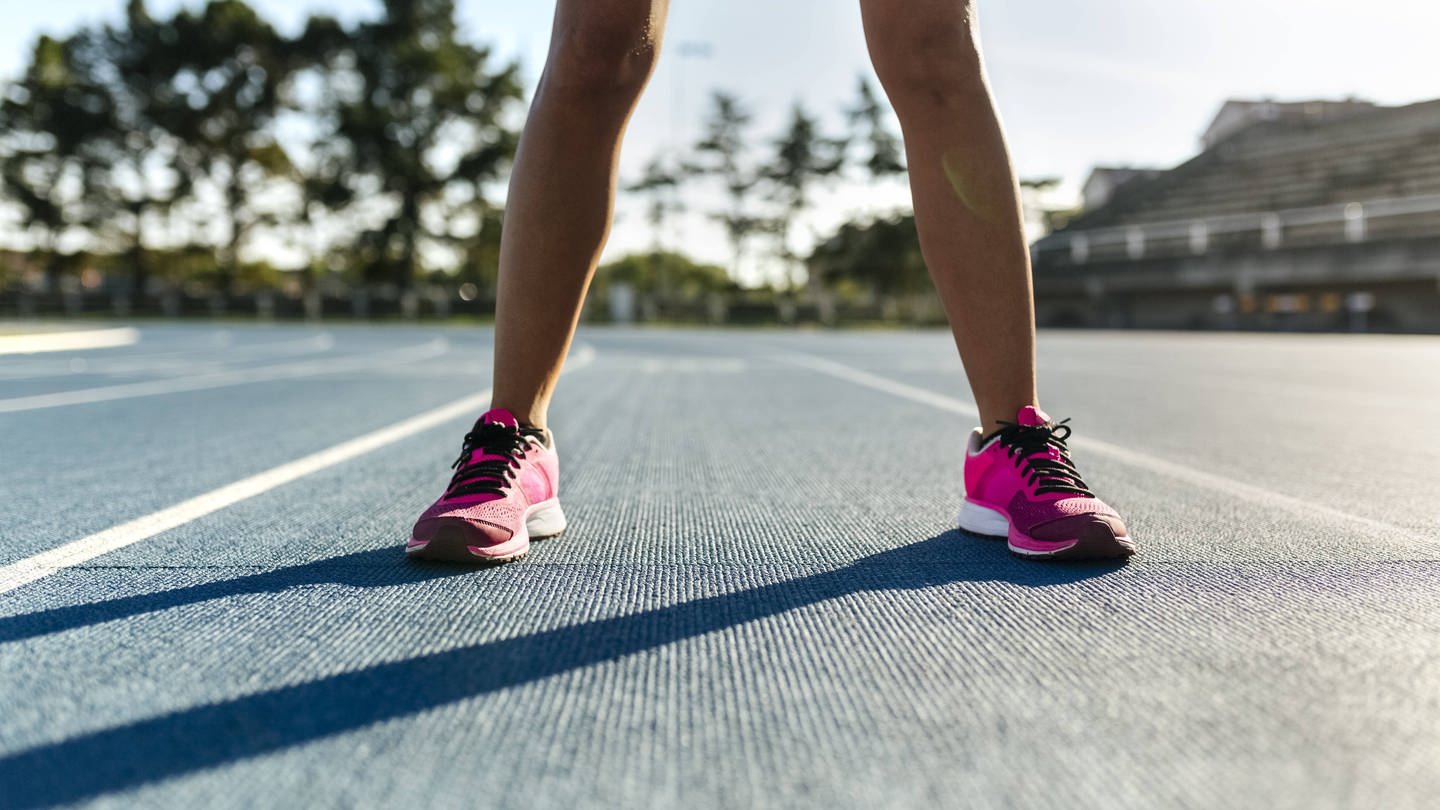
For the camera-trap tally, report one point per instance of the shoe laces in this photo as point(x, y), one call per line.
point(1032, 445)
point(504, 445)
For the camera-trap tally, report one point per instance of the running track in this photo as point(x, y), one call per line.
point(761, 600)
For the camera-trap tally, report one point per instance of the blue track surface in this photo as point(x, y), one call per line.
point(761, 601)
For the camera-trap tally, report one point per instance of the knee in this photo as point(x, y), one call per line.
point(597, 58)
point(927, 62)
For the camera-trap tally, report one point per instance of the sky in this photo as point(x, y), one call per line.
point(1112, 82)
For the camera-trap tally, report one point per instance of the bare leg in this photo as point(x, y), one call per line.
point(966, 202)
point(562, 191)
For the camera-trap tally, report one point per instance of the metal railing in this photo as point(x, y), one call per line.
point(1200, 234)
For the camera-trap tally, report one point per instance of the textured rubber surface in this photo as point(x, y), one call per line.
point(760, 601)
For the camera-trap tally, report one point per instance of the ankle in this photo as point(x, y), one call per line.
point(528, 413)
point(992, 416)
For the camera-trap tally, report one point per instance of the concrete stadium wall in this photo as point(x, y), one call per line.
point(1398, 282)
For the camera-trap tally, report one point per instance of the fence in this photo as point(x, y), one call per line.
point(1340, 223)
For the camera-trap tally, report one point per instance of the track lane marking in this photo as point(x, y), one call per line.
point(76, 552)
point(175, 363)
point(1124, 455)
point(70, 341)
point(222, 379)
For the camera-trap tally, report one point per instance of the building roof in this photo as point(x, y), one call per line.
point(1103, 181)
point(1238, 114)
point(1370, 154)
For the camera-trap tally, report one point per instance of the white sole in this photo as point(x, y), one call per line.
point(545, 519)
point(978, 519)
point(983, 520)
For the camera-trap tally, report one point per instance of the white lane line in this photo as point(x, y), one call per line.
point(76, 552)
point(68, 341)
point(181, 362)
point(885, 384)
point(221, 379)
point(1124, 455)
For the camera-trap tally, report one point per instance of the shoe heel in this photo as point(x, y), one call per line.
point(978, 519)
point(546, 521)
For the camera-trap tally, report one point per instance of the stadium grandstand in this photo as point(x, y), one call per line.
point(1316, 216)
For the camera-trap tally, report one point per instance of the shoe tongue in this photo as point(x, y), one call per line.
point(1031, 416)
point(498, 416)
point(494, 416)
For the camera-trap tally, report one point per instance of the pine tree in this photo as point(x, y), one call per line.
point(722, 152)
point(803, 158)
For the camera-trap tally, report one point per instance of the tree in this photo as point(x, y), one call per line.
point(481, 265)
point(415, 119)
point(659, 184)
point(124, 157)
point(37, 130)
point(654, 273)
point(722, 151)
point(1035, 199)
point(113, 128)
point(80, 143)
point(884, 156)
point(802, 158)
point(882, 256)
point(219, 97)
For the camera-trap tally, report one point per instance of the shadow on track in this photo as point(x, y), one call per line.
point(207, 736)
point(364, 569)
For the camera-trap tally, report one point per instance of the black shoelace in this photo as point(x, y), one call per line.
point(1030, 443)
point(490, 476)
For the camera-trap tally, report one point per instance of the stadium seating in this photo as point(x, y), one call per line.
point(1281, 211)
point(1381, 153)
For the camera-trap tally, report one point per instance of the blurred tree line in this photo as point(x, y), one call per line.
point(767, 188)
point(158, 141)
point(193, 149)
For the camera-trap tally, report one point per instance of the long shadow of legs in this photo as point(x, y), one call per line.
point(365, 569)
point(207, 736)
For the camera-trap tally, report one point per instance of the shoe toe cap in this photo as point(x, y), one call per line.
point(1095, 527)
point(476, 535)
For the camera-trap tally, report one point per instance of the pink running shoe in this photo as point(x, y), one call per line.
point(1021, 484)
point(504, 493)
